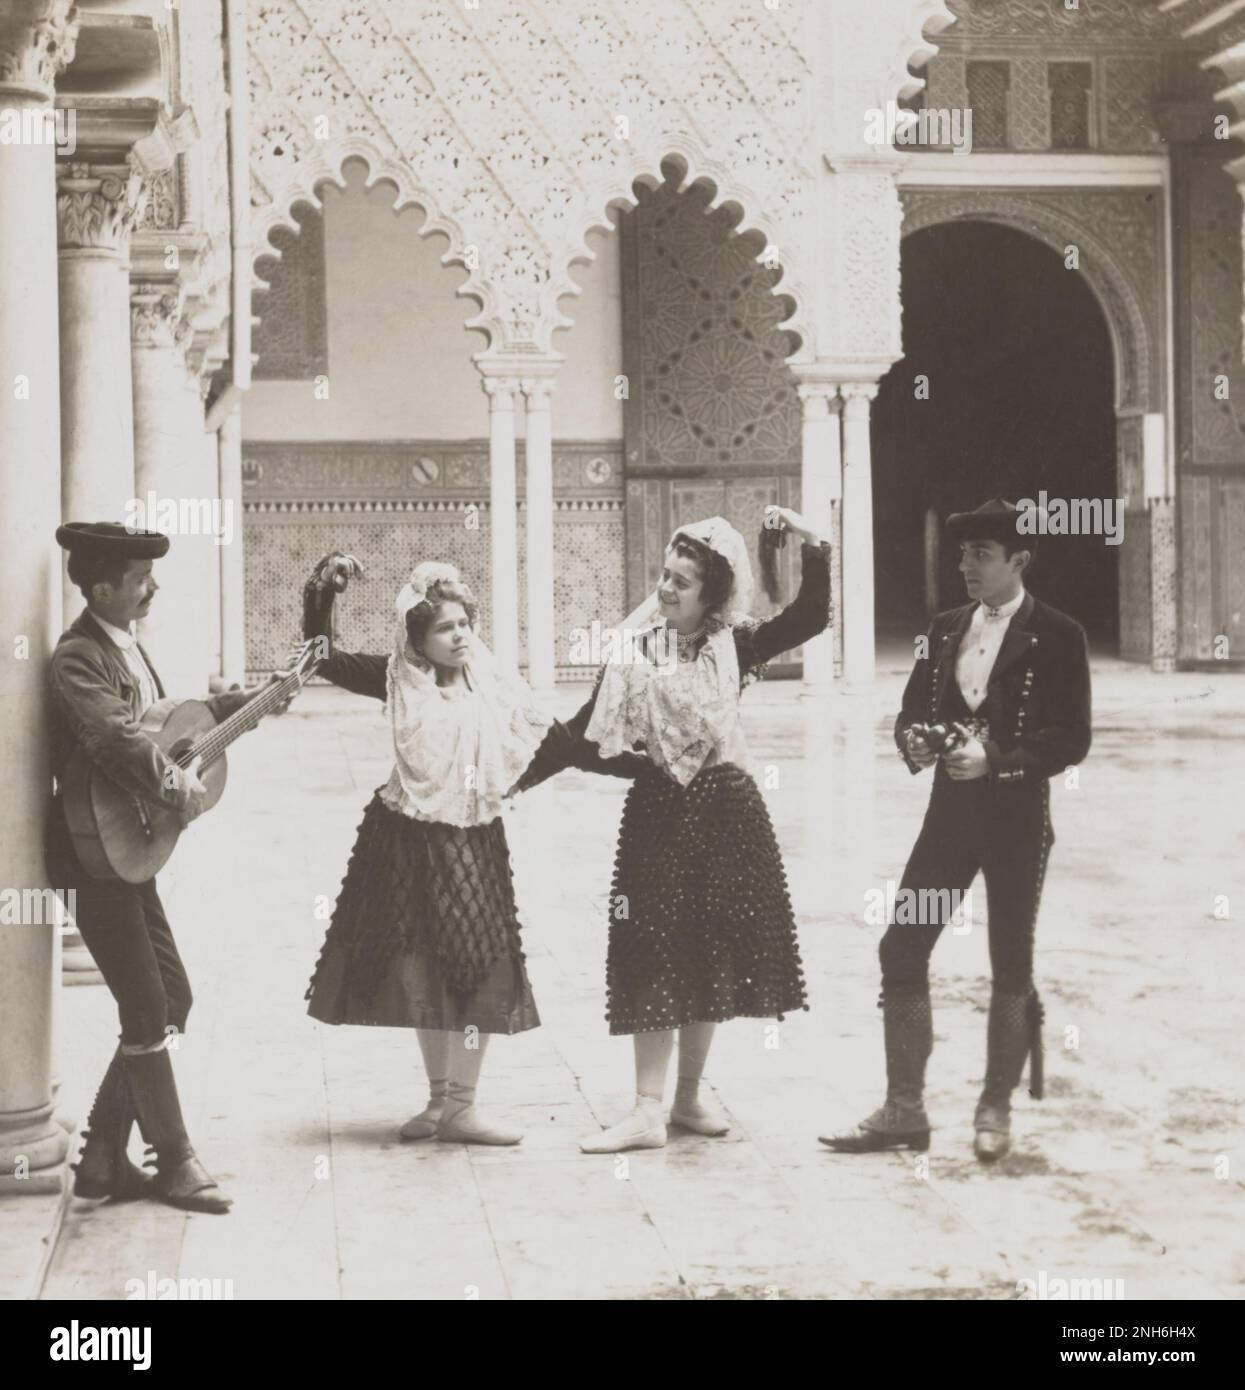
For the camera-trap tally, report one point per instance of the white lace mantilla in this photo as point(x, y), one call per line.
point(684, 716)
point(458, 748)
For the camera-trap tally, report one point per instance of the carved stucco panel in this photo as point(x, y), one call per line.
point(517, 124)
point(1054, 19)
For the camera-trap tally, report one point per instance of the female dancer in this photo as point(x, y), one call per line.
point(424, 934)
point(701, 928)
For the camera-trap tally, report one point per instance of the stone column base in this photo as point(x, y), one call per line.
point(33, 1149)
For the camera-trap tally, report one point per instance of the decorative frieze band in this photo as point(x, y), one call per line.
point(355, 471)
point(609, 506)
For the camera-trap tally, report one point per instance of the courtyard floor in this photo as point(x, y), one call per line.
point(1130, 1170)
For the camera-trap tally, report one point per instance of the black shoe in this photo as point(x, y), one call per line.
point(868, 1141)
point(993, 1138)
point(187, 1185)
point(180, 1179)
point(887, 1128)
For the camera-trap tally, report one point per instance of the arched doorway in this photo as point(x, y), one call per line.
point(1020, 371)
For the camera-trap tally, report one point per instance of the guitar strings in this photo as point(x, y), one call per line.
point(223, 735)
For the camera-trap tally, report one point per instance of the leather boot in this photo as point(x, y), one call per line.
point(900, 1123)
point(1013, 1030)
point(180, 1179)
point(103, 1168)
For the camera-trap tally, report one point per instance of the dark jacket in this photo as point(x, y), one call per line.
point(1037, 702)
point(95, 714)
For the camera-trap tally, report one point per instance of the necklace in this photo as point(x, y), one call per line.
point(688, 643)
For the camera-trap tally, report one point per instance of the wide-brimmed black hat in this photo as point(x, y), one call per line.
point(110, 540)
point(994, 520)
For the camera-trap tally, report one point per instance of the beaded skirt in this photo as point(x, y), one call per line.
point(701, 927)
point(425, 933)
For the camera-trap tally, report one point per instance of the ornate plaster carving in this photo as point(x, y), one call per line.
point(37, 41)
point(517, 125)
point(96, 205)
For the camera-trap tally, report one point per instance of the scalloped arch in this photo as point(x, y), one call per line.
point(645, 169)
point(329, 168)
point(915, 50)
point(1121, 304)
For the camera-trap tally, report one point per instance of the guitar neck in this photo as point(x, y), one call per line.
point(213, 744)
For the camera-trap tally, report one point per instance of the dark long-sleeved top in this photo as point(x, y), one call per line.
point(755, 643)
point(1037, 701)
point(356, 671)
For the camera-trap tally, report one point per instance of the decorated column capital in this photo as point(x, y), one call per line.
point(37, 41)
point(158, 316)
point(96, 206)
point(537, 391)
point(501, 392)
point(819, 398)
point(856, 398)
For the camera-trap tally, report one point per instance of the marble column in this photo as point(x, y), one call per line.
point(858, 606)
point(232, 555)
point(538, 392)
point(96, 206)
point(503, 519)
point(1162, 512)
point(821, 486)
point(36, 41)
point(175, 485)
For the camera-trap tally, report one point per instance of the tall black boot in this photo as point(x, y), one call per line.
point(181, 1180)
point(900, 1123)
point(1013, 1030)
point(103, 1168)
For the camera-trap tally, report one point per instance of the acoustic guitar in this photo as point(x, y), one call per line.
point(120, 835)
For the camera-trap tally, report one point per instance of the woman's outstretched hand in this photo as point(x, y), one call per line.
point(335, 571)
point(784, 519)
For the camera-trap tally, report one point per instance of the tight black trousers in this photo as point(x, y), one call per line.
point(129, 937)
point(970, 827)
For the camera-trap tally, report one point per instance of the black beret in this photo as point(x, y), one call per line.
point(995, 520)
point(110, 540)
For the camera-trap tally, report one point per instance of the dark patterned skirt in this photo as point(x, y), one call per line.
point(701, 928)
point(425, 932)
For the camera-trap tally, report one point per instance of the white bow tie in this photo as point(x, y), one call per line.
point(992, 613)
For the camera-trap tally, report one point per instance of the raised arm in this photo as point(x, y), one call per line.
point(804, 617)
point(363, 674)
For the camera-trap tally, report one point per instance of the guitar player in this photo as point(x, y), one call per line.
point(101, 683)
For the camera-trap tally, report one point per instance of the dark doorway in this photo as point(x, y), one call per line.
point(1021, 374)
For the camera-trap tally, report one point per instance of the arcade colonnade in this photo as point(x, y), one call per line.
point(198, 128)
point(517, 126)
point(518, 129)
point(116, 317)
